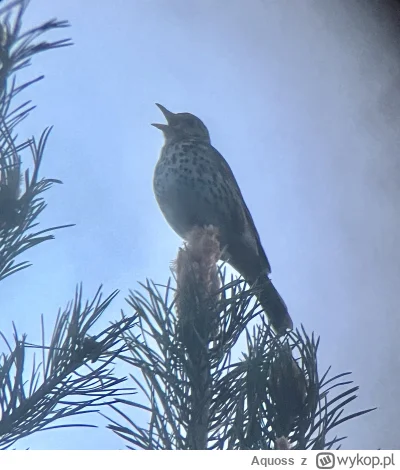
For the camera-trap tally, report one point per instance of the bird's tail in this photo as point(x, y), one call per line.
point(273, 305)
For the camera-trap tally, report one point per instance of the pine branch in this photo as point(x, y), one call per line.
point(20, 207)
point(65, 383)
point(196, 396)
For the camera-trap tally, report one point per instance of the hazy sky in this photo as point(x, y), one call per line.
point(301, 97)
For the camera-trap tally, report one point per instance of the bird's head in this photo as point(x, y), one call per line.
point(182, 126)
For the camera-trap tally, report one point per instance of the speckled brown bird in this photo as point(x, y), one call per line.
point(194, 186)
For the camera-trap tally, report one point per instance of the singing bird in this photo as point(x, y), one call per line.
point(195, 186)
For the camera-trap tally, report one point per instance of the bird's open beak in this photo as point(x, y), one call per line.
point(168, 116)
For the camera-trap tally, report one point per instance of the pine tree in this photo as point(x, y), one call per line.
point(194, 390)
point(197, 395)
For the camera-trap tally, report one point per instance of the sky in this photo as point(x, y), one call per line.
point(299, 97)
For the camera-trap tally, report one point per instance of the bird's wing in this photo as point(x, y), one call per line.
point(241, 219)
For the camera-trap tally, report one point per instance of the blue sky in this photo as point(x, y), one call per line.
point(299, 97)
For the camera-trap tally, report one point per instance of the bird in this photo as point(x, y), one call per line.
point(194, 186)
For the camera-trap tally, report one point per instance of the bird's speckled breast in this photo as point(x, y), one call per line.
point(189, 189)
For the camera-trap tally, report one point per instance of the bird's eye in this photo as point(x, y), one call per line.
point(190, 123)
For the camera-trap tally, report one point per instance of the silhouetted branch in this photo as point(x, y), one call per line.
point(74, 377)
point(195, 396)
point(20, 206)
